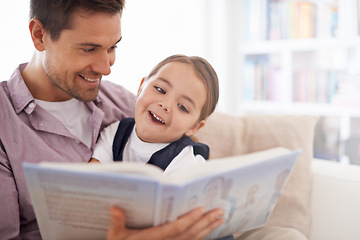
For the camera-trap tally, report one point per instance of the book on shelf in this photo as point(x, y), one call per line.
point(315, 86)
point(254, 24)
point(347, 94)
point(261, 78)
point(275, 16)
point(286, 19)
point(72, 200)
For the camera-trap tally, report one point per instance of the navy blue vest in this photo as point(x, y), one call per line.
point(161, 158)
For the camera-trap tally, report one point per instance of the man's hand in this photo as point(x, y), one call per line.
point(194, 225)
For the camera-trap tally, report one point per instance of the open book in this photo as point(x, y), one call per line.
point(72, 200)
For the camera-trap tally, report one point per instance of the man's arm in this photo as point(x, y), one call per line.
point(9, 202)
point(194, 225)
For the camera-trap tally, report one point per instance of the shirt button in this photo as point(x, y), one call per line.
point(31, 105)
point(77, 141)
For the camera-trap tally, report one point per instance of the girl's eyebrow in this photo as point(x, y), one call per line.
point(165, 81)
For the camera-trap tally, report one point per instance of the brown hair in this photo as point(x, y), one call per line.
point(205, 72)
point(56, 14)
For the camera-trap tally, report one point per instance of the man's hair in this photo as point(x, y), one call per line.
point(205, 72)
point(56, 15)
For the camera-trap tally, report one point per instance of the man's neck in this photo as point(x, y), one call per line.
point(38, 82)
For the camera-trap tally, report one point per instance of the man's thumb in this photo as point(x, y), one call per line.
point(117, 223)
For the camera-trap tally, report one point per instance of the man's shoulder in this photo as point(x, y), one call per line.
point(4, 91)
point(105, 85)
point(3, 85)
point(115, 101)
point(116, 94)
point(110, 90)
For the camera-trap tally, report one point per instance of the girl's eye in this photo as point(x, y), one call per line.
point(183, 108)
point(160, 90)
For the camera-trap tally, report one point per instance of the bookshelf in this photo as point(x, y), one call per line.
point(299, 57)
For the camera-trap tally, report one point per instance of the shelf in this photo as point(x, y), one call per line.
point(316, 109)
point(296, 45)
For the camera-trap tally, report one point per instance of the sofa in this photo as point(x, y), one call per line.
point(320, 196)
point(335, 201)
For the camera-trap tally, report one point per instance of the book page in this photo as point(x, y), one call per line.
point(246, 192)
point(75, 205)
point(224, 164)
point(145, 170)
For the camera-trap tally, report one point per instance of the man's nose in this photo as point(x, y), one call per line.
point(102, 63)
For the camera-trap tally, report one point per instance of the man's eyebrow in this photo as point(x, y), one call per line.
point(118, 40)
point(90, 44)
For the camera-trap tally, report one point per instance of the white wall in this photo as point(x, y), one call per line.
point(15, 43)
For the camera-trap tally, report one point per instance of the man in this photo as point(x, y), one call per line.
point(53, 108)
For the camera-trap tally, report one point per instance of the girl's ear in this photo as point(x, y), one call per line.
point(195, 128)
point(37, 32)
point(140, 87)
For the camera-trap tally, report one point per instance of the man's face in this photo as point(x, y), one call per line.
point(75, 63)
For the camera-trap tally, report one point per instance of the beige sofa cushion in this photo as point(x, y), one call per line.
point(228, 135)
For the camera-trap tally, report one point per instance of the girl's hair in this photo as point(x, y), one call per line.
point(56, 15)
point(205, 72)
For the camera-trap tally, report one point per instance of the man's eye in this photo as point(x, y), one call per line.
point(88, 50)
point(183, 108)
point(113, 48)
point(160, 90)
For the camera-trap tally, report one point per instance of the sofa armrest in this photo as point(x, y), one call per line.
point(335, 201)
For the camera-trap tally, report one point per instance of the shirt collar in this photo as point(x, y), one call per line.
point(19, 93)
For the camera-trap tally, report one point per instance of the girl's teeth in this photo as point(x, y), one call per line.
point(157, 118)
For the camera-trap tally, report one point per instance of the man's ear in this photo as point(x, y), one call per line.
point(37, 31)
point(140, 87)
point(195, 128)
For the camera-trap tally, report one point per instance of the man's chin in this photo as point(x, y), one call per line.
point(87, 97)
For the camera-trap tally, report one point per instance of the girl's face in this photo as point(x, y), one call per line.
point(169, 104)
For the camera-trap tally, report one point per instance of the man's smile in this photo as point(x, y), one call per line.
point(90, 79)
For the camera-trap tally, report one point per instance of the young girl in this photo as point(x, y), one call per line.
point(172, 104)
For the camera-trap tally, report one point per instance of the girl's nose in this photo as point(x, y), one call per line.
point(165, 107)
